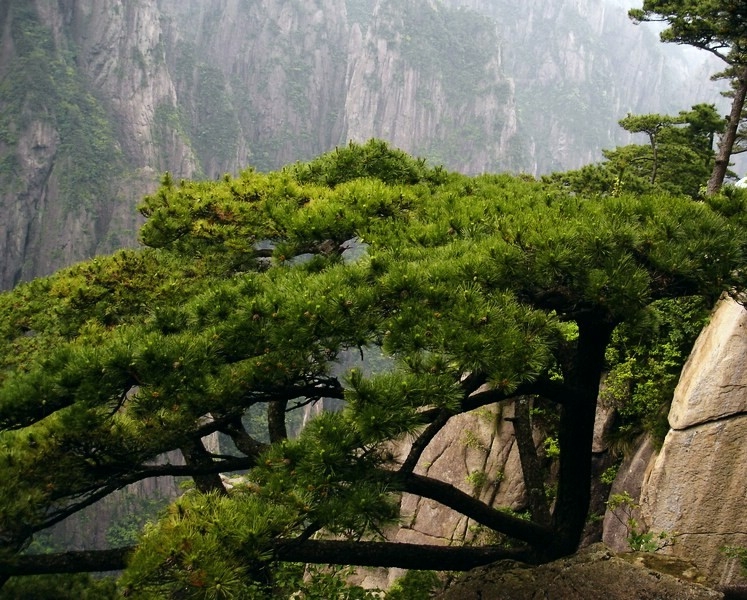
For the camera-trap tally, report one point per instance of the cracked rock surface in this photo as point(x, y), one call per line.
point(695, 485)
point(594, 574)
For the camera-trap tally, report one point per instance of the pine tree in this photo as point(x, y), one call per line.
point(719, 27)
point(477, 290)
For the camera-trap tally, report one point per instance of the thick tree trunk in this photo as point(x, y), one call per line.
point(575, 435)
point(276, 420)
point(730, 135)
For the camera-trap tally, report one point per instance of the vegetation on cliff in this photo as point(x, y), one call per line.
point(479, 289)
point(721, 29)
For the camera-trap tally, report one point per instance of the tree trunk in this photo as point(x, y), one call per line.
point(276, 420)
point(655, 155)
point(730, 135)
point(195, 455)
point(575, 436)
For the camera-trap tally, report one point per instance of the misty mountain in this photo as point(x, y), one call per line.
point(98, 99)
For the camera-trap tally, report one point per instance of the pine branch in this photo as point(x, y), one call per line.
point(91, 496)
point(88, 561)
point(422, 441)
point(328, 552)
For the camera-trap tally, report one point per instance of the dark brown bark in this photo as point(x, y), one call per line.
point(733, 592)
point(242, 440)
point(88, 561)
point(422, 441)
point(575, 436)
point(730, 136)
point(276, 420)
point(655, 154)
point(393, 554)
point(533, 534)
point(332, 552)
point(532, 470)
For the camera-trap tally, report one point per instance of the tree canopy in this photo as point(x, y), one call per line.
point(252, 290)
point(719, 27)
point(677, 158)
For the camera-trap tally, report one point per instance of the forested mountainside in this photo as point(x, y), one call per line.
point(97, 99)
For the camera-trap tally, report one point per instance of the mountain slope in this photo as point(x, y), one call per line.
point(99, 98)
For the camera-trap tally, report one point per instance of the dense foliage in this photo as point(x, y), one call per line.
point(677, 156)
point(479, 289)
point(719, 27)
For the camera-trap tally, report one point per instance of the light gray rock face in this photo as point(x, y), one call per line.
point(477, 453)
point(713, 385)
point(594, 574)
point(409, 84)
point(694, 486)
point(634, 470)
point(80, 125)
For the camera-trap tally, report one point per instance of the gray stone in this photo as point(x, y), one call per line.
point(633, 471)
point(696, 489)
point(713, 384)
point(594, 574)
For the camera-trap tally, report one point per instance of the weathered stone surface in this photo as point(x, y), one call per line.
point(595, 574)
point(713, 384)
point(475, 452)
point(630, 477)
point(696, 489)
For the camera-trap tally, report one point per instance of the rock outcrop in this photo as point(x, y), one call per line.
point(694, 486)
point(594, 574)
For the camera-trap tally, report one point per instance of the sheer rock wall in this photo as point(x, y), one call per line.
point(695, 485)
point(130, 89)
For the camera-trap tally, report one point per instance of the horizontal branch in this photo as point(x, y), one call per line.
point(394, 554)
point(147, 472)
point(86, 561)
point(326, 552)
point(555, 391)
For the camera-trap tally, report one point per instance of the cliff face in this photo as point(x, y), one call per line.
point(694, 486)
point(431, 81)
point(81, 85)
point(97, 99)
point(581, 65)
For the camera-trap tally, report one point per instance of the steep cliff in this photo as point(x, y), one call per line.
point(81, 83)
point(431, 81)
point(99, 98)
point(578, 66)
point(694, 486)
